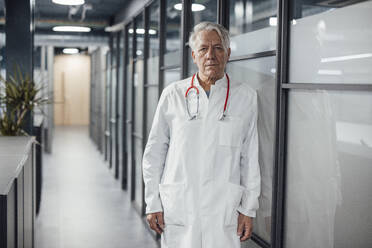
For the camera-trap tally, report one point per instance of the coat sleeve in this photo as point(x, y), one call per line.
point(154, 157)
point(250, 177)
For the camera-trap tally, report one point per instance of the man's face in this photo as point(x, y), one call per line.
point(210, 55)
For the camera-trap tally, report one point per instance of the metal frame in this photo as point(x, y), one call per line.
point(253, 56)
point(185, 30)
point(109, 101)
point(117, 114)
point(132, 162)
point(223, 13)
point(162, 24)
point(124, 179)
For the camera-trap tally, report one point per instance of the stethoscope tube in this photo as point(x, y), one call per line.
point(192, 117)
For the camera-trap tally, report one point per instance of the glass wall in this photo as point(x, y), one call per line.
point(138, 109)
point(128, 106)
point(329, 146)
point(252, 26)
point(329, 48)
point(152, 87)
point(172, 33)
point(329, 160)
point(120, 87)
point(253, 31)
point(113, 90)
point(314, 122)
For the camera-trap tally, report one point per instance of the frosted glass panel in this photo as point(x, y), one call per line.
point(172, 32)
point(138, 96)
point(171, 76)
point(252, 26)
point(258, 74)
point(329, 170)
point(333, 46)
point(208, 13)
point(152, 91)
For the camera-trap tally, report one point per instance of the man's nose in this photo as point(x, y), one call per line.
point(210, 53)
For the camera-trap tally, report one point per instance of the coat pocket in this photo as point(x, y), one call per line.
point(233, 199)
point(172, 197)
point(230, 131)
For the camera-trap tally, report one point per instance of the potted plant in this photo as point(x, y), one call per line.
point(19, 96)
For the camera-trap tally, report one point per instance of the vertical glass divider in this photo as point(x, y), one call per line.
point(281, 125)
point(162, 24)
point(185, 30)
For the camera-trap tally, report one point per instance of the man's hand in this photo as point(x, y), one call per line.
point(156, 221)
point(245, 227)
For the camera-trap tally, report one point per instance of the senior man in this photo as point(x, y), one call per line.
point(200, 165)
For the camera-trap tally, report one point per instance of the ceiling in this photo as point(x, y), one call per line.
point(96, 14)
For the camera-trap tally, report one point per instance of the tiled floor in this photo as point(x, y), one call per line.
point(82, 204)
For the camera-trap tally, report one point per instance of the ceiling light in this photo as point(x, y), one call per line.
point(71, 29)
point(273, 21)
point(70, 50)
point(69, 2)
point(194, 7)
point(142, 31)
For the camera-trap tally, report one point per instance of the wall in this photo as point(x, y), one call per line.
point(71, 89)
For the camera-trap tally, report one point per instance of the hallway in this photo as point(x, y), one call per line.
point(82, 205)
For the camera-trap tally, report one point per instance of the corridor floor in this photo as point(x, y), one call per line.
point(82, 205)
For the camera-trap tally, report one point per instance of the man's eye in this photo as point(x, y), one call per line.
point(202, 49)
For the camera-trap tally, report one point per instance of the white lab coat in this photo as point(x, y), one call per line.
point(201, 172)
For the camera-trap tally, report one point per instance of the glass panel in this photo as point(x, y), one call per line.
point(152, 66)
point(173, 27)
point(259, 74)
point(138, 122)
point(329, 47)
point(203, 10)
point(329, 172)
point(107, 98)
point(171, 76)
point(154, 29)
point(128, 103)
point(114, 48)
point(140, 31)
point(252, 26)
point(192, 66)
point(121, 101)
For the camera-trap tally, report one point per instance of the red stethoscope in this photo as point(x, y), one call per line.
point(194, 116)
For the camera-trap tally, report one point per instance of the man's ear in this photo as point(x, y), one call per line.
point(193, 56)
point(228, 53)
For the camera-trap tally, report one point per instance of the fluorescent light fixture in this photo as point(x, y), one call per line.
point(69, 2)
point(195, 7)
point(71, 29)
point(139, 52)
point(330, 72)
point(273, 21)
point(70, 50)
point(152, 31)
point(347, 57)
point(142, 31)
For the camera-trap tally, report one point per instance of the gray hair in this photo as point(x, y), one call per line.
point(221, 31)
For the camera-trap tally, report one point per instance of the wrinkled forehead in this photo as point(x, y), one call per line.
point(208, 37)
